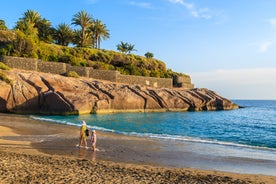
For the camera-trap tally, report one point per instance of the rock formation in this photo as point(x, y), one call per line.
point(43, 93)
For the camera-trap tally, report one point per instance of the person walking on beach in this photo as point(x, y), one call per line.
point(83, 129)
point(93, 140)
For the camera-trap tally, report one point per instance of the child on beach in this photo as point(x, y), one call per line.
point(93, 140)
point(83, 135)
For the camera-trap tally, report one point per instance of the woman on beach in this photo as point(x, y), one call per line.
point(83, 135)
point(93, 140)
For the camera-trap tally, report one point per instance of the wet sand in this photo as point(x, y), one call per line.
point(34, 151)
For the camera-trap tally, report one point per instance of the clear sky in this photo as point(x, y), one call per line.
point(224, 45)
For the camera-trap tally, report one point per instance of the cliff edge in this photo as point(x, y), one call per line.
point(44, 93)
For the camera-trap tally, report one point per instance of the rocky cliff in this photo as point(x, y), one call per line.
point(43, 93)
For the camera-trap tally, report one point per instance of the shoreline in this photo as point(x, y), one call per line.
point(56, 141)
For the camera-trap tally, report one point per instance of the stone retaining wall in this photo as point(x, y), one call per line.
point(145, 81)
point(183, 81)
point(110, 75)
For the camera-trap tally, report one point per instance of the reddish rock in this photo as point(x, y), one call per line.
point(43, 93)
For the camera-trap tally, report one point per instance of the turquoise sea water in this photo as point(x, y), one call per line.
point(253, 126)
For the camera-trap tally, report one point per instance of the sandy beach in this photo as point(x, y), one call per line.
point(42, 152)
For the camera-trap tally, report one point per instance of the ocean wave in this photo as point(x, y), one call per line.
point(50, 120)
point(159, 136)
point(195, 140)
point(72, 124)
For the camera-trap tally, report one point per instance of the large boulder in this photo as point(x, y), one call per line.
point(43, 93)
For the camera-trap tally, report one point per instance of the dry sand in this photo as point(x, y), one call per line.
point(38, 152)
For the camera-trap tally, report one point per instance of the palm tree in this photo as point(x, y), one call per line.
point(3, 25)
point(78, 37)
point(123, 47)
point(45, 30)
point(130, 48)
point(27, 28)
point(84, 20)
point(99, 31)
point(31, 16)
point(63, 34)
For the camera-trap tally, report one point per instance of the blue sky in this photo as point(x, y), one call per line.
point(224, 45)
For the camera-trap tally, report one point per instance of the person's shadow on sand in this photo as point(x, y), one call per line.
point(84, 153)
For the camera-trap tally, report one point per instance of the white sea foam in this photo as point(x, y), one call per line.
point(72, 124)
point(50, 120)
point(194, 139)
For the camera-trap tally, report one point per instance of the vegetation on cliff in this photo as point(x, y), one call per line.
point(3, 76)
point(35, 37)
point(3, 66)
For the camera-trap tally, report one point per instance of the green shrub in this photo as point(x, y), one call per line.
point(3, 51)
point(75, 61)
point(145, 72)
point(48, 52)
point(84, 53)
point(4, 67)
point(99, 56)
point(53, 58)
point(4, 78)
point(105, 57)
point(101, 66)
point(64, 59)
point(72, 74)
point(7, 36)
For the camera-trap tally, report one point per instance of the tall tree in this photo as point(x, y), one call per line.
point(123, 46)
point(84, 20)
point(27, 33)
point(31, 16)
point(27, 28)
point(130, 48)
point(45, 30)
point(3, 25)
point(99, 31)
point(25, 43)
point(149, 55)
point(78, 37)
point(63, 34)
point(43, 26)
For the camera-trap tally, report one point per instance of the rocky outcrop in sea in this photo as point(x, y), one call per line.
point(44, 93)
